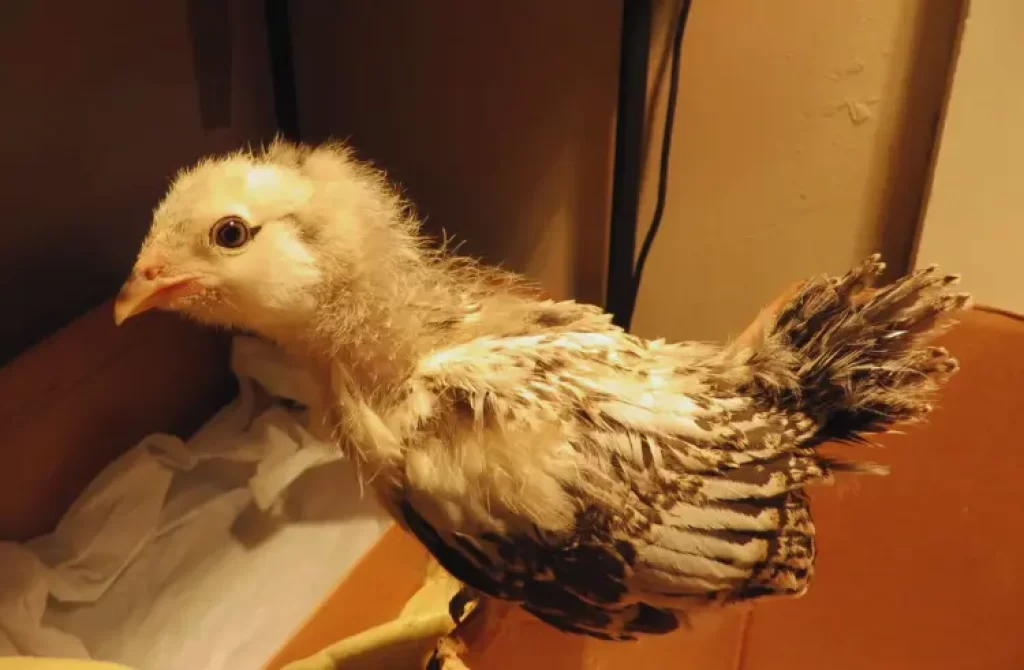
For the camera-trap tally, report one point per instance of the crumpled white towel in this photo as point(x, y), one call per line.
point(170, 558)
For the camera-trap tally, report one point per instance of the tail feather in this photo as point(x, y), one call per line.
point(858, 360)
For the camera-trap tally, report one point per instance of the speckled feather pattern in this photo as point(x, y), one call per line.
point(606, 483)
point(610, 484)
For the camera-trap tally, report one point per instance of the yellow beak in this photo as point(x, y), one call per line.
point(140, 294)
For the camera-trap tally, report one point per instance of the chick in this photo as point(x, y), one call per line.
point(607, 484)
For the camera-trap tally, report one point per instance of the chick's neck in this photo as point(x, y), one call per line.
point(378, 328)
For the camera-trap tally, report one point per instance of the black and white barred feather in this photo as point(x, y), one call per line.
point(610, 484)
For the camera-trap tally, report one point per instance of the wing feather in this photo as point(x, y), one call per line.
point(603, 481)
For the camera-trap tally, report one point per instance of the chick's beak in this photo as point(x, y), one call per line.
point(148, 288)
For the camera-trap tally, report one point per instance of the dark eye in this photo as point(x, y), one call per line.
point(231, 232)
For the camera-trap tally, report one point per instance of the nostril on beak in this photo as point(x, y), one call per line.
point(150, 272)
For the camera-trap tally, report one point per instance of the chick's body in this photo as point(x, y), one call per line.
point(606, 483)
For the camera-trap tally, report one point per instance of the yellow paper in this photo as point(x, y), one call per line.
point(25, 663)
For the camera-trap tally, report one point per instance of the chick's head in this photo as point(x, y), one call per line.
point(257, 240)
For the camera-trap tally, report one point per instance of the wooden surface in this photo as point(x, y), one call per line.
point(77, 400)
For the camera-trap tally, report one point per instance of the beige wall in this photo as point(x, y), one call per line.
point(974, 222)
point(802, 141)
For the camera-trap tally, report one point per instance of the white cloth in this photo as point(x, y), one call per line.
point(202, 555)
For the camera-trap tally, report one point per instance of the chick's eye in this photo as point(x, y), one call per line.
point(231, 233)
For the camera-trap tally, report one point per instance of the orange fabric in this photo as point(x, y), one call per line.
point(923, 568)
point(714, 643)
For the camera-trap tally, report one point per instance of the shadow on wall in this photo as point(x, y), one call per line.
point(497, 118)
point(910, 159)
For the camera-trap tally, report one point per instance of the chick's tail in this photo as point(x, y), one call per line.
point(858, 360)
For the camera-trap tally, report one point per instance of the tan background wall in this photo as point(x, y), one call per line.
point(802, 142)
point(973, 223)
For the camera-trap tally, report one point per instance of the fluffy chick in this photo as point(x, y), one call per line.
point(605, 483)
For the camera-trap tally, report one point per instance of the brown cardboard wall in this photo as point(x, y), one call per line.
point(497, 117)
point(100, 106)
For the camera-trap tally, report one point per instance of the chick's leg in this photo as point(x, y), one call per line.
point(421, 636)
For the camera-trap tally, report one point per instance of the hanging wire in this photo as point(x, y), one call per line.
point(666, 150)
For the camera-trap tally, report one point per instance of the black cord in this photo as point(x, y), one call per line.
point(666, 150)
point(634, 50)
